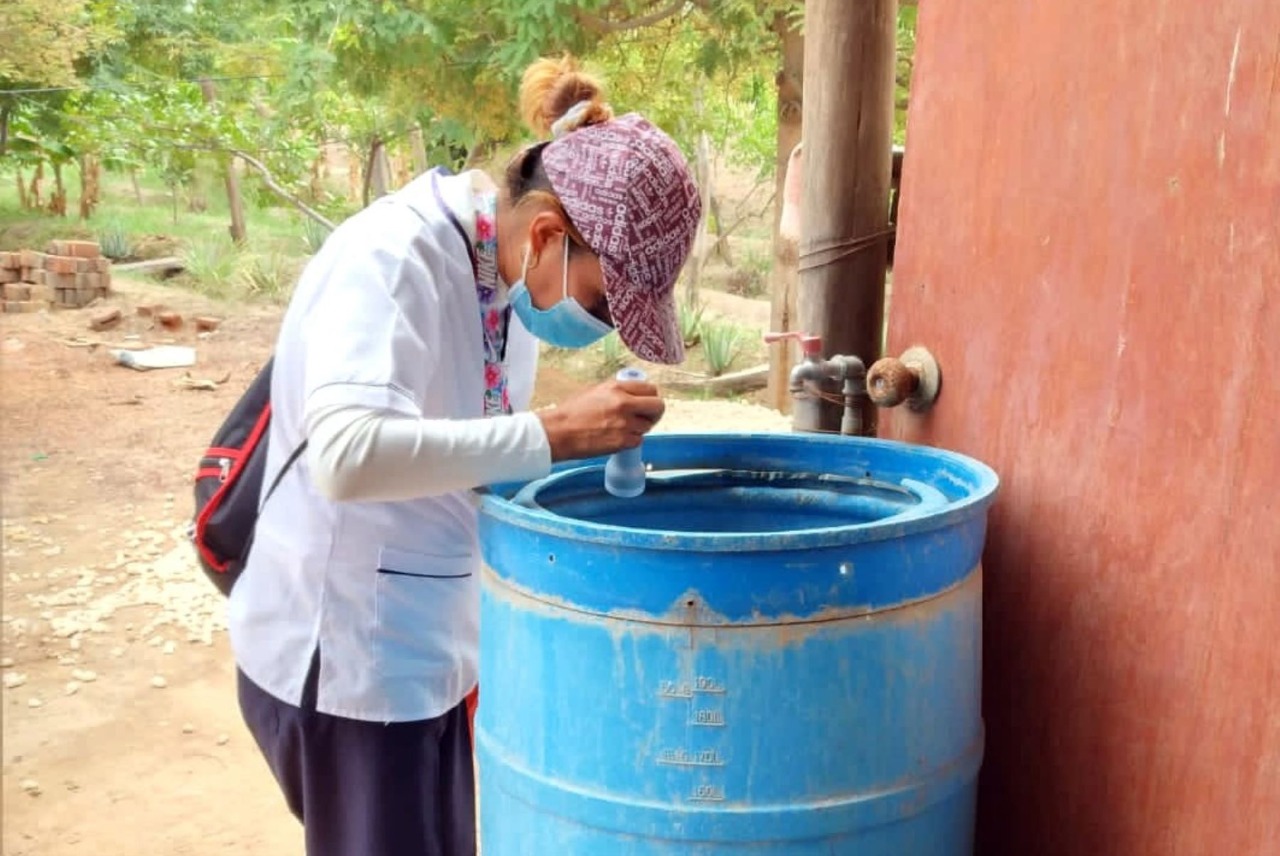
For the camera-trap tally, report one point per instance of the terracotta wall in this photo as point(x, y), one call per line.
point(1090, 244)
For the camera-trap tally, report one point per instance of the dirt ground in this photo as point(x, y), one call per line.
point(120, 728)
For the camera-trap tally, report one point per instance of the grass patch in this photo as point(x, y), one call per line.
point(279, 239)
point(21, 230)
point(273, 228)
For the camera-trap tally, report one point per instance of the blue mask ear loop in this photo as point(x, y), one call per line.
point(566, 270)
point(564, 282)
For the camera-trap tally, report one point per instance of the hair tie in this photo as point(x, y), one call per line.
point(571, 120)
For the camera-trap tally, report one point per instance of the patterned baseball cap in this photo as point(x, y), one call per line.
point(628, 190)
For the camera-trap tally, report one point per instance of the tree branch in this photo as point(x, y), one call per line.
point(602, 25)
point(743, 216)
point(374, 145)
point(291, 198)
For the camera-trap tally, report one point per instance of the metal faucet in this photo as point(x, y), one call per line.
point(808, 376)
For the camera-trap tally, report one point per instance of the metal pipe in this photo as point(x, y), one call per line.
point(846, 369)
point(812, 370)
point(806, 412)
point(854, 373)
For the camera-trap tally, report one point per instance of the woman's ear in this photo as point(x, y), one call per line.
point(545, 228)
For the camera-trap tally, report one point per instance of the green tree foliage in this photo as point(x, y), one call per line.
point(291, 76)
point(460, 61)
point(906, 64)
point(47, 43)
point(46, 40)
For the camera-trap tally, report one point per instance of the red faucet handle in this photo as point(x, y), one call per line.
point(811, 345)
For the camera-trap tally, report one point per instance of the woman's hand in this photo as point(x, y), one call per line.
point(602, 420)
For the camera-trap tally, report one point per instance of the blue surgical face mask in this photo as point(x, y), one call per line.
point(565, 325)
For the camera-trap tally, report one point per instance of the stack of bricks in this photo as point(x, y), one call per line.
point(22, 278)
point(70, 274)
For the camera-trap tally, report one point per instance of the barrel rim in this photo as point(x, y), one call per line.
point(981, 491)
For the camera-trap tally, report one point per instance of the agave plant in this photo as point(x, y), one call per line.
point(690, 322)
point(722, 343)
point(115, 242)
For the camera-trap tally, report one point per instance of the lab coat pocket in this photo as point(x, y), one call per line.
point(427, 612)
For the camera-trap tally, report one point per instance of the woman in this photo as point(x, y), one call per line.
point(400, 360)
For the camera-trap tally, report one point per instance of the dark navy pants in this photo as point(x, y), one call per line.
point(368, 788)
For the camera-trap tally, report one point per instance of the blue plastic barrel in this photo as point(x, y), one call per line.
point(776, 649)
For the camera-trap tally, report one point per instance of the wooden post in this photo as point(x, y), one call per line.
point(90, 174)
point(702, 176)
point(238, 230)
point(379, 176)
point(36, 188)
point(848, 148)
point(58, 202)
point(355, 176)
point(721, 247)
point(782, 290)
point(698, 255)
point(418, 148)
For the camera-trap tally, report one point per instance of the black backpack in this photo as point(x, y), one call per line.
point(228, 486)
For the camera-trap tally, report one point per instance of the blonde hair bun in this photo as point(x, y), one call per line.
point(550, 88)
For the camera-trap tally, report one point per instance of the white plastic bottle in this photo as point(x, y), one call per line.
point(624, 471)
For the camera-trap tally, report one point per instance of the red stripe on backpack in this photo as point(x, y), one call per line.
point(228, 484)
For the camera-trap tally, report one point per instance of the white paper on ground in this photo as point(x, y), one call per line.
point(160, 357)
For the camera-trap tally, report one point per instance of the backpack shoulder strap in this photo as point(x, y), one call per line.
point(275, 483)
point(457, 226)
point(288, 462)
